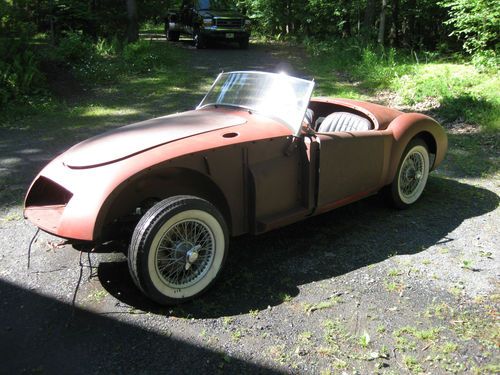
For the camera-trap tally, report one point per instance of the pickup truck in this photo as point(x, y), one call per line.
point(208, 20)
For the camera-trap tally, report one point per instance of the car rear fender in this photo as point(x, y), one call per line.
point(155, 184)
point(415, 125)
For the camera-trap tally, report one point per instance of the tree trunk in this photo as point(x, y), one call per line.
point(133, 24)
point(395, 22)
point(381, 26)
point(369, 17)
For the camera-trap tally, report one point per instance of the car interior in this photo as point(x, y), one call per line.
point(327, 118)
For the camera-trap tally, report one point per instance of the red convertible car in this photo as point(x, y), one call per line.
point(257, 154)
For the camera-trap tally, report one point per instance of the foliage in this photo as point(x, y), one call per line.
point(19, 72)
point(455, 91)
point(476, 22)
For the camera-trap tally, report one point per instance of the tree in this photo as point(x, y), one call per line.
point(133, 23)
point(476, 22)
point(381, 26)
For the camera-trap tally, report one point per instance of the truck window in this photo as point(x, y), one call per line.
point(215, 4)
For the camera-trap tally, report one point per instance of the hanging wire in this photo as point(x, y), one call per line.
point(31, 244)
point(77, 284)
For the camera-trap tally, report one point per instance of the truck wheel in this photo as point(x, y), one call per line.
point(173, 36)
point(178, 249)
point(199, 40)
point(243, 43)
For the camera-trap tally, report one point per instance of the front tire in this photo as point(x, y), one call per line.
point(173, 36)
point(178, 249)
point(411, 176)
point(199, 40)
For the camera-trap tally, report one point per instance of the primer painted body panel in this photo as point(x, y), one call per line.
point(133, 139)
point(251, 167)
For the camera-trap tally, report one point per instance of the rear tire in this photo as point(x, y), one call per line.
point(178, 249)
point(171, 35)
point(244, 43)
point(411, 176)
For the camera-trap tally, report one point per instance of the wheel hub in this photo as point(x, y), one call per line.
point(192, 256)
point(185, 253)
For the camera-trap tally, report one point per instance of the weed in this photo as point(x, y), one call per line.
point(394, 272)
point(364, 340)
point(14, 216)
point(467, 264)
point(392, 286)
point(441, 310)
point(449, 347)
point(236, 335)
point(428, 335)
point(381, 328)
point(253, 313)
point(335, 334)
point(227, 320)
point(305, 337)
point(412, 364)
point(426, 262)
point(97, 296)
point(278, 353)
point(405, 345)
point(285, 297)
point(486, 254)
point(323, 304)
point(491, 368)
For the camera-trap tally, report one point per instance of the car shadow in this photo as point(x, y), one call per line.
point(261, 270)
point(41, 334)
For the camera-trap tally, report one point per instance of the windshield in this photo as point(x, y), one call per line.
point(215, 5)
point(276, 95)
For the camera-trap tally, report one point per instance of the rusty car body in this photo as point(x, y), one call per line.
point(257, 154)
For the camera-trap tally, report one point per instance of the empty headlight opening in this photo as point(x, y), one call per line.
point(46, 192)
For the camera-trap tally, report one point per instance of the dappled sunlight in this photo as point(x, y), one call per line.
point(99, 111)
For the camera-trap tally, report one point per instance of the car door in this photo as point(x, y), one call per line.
point(351, 165)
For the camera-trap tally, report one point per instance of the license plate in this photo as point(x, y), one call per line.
point(230, 36)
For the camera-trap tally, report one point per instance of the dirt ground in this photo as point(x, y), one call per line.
point(364, 289)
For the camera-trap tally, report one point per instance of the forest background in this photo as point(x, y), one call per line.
point(445, 52)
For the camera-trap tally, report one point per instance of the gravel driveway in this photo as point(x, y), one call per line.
point(364, 289)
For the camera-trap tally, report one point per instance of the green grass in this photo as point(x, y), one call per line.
point(133, 94)
point(455, 91)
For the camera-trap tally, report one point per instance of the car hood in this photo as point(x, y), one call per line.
point(132, 139)
point(221, 13)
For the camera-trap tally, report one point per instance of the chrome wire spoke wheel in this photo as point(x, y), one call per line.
point(185, 253)
point(413, 174)
point(178, 249)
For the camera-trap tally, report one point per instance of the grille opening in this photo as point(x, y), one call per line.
point(45, 192)
point(229, 23)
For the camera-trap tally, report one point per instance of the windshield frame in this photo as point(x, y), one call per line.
point(295, 127)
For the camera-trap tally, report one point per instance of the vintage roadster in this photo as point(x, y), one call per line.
point(255, 155)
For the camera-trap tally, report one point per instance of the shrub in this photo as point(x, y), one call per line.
point(19, 72)
point(74, 48)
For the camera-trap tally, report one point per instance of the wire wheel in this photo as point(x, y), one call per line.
point(185, 253)
point(413, 173)
point(178, 249)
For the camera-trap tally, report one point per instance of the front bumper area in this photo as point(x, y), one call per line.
point(47, 218)
point(228, 35)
